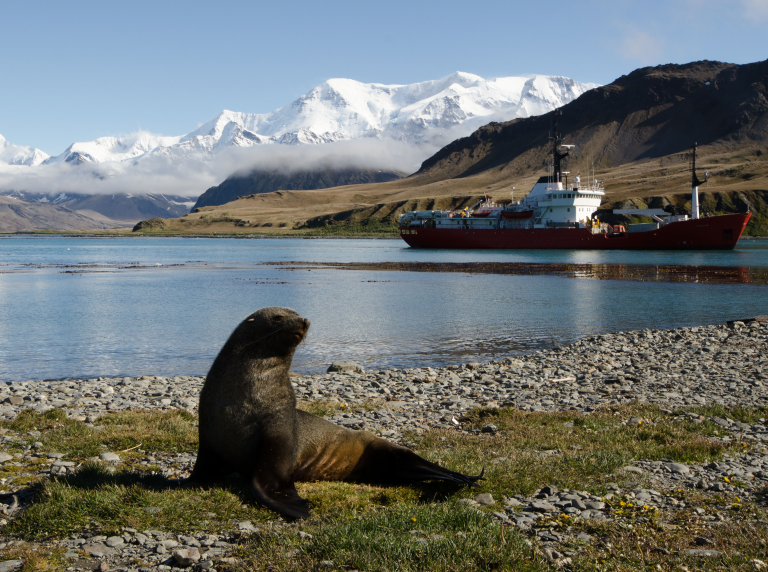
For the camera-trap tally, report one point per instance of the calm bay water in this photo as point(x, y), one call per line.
point(84, 307)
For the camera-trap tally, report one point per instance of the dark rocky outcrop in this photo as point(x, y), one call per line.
point(260, 182)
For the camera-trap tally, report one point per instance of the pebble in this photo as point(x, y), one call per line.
point(485, 499)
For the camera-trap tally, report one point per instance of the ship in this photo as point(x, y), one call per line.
point(555, 214)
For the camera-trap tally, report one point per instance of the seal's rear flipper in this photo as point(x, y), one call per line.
point(280, 497)
point(383, 462)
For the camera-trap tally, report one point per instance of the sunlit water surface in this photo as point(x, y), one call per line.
point(84, 307)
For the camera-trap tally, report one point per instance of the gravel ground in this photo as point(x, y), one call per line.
point(726, 365)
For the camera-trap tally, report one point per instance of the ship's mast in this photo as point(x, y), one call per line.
point(557, 141)
point(695, 182)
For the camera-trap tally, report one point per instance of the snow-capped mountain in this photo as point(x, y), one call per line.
point(342, 109)
point(119, 207)
point(11, 154)
point(365, 125)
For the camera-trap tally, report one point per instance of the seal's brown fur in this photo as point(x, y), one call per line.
point(249, 423)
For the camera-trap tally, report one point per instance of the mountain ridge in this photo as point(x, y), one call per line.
point(341, 109)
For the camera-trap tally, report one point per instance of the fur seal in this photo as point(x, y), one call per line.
point(249, 423)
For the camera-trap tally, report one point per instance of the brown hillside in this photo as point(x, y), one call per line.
point(648, 114)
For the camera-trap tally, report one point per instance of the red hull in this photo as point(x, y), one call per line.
point(709, 233)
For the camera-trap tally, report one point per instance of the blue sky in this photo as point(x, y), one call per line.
point(77, 70)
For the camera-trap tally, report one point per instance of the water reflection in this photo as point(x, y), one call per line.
point(133, 319)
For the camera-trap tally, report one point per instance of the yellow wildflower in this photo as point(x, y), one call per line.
point(726, 479)
point(622, 503)
point(737, 499)
point(413, 519)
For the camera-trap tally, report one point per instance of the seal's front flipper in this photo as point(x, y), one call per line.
point(208, 466)
point(279, 496)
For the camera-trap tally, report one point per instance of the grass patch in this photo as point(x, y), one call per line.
point(419, 527)
point(94, 499)
point(368, 227)
point(173, 432)
point(742, 414)
point(565, 449)
point(444, 537)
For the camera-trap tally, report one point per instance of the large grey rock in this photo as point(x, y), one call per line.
point(110, 457)
point(98, 550)
point(678, 468)
point(3, 458)
point(540, 506)
point(9, 565)
point(345, 367)
point(186, 556)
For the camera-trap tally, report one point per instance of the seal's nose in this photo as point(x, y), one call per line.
point(306, 324)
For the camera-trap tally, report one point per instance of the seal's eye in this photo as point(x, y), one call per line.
point(278, 318)
point(250, 319)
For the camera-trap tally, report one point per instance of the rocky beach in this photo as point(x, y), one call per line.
point(684, 376)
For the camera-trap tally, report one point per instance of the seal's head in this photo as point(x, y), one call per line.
point(271, 331)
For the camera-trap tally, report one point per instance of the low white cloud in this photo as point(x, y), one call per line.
point(191, 177)
point(641, 46)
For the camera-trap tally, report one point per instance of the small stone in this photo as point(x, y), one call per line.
point(595, 505)
point(550, 490)
point(169, 543)
point(14, 400)
point(98, 550)
point(540, 506)
point(485, 499)
point(110, 457)
point(305, 535)
point(489, 429)
point(114, 541)
point(186, 556)
point(3, 458)
point(677, 468)
point(703, 553)
point(701, 541)
point(327, 563)
point(152, 509)
point(246, 526)
point(9, 565)
point(631, 469)
point(661, 550)
point(160, 549)
point(469, 502)
point(103, 566)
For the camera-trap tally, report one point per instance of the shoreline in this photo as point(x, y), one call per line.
point(724, 365)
